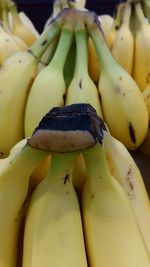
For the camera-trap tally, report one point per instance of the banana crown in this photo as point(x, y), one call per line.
point(62, 129)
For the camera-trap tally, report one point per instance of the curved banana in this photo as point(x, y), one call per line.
point(109, 223)
point(82, 89)
point(122, 103)
point(125, 170)
point(15, 174)
point(55, 209)
point(124, 42)
point(141, 70)
point(93, 65)
point(49, 88)
point(16, 77)
point(19, 28)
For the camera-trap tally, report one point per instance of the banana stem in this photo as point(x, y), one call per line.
point(105, 58)
point(118, 18)
point(96, 165)
point(14, 12)
point(43, 42)
point(62, 165)
point(64, 44)
point(126, 15)
point(81, 65)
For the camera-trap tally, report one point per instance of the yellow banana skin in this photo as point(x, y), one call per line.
point(112, 236)
point(125, 170)
point(15, 174)
point(124, 42)
point(57, 237)
point(141, 71)
point(16, 77)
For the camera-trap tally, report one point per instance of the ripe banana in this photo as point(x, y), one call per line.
point(117, 21)
point(82, 89)
point(112, 236)
point(19, 28)
point(125, 170)
point(16, 77)
point(55, 208)
point(15, 173)
point(121, 99)
point(49, 86)
point(124, 42)
point(93, 65)
point(141, 70)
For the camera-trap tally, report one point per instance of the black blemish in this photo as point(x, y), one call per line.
point(92, 196)
point(120, 78)
point(124, 94)
point(116, 27)
point(2, 153)
point(80, 83)
point(99, 177)
point(44, 43)
point(66, 178)
point(19, 60)
point(132, 133)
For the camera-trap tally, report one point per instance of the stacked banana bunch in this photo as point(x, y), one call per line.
point(17, 32)
point(128, 37)
point(62, 219)
point(80, 199)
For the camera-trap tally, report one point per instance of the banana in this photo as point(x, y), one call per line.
point(93, 65)
point(145, 146)
point(55, 209)
point(117, 21)
point(125, 170)
point(146, 8)
point(19, 28)
point(112, 237)
point(16, 77)
point(141, 69)
point(82, 89)
point(121, 99)
point(49, 85)
point(19, 41)
point(54, 203)
point(14, 177)
point(124, 42)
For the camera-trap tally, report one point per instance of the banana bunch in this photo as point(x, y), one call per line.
point(10, 41)
point(52, 224)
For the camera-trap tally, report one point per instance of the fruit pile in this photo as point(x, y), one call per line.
point(80, 199)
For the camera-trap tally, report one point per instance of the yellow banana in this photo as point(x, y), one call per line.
point(117, 21)
point(122, 103)
point(112, 236)
point(124, 42)
point(15, 173)
point(82, 89)
point(19, 28)
point(93, 65)
point(141, 70)
point(49, 88)
point(125, 170)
